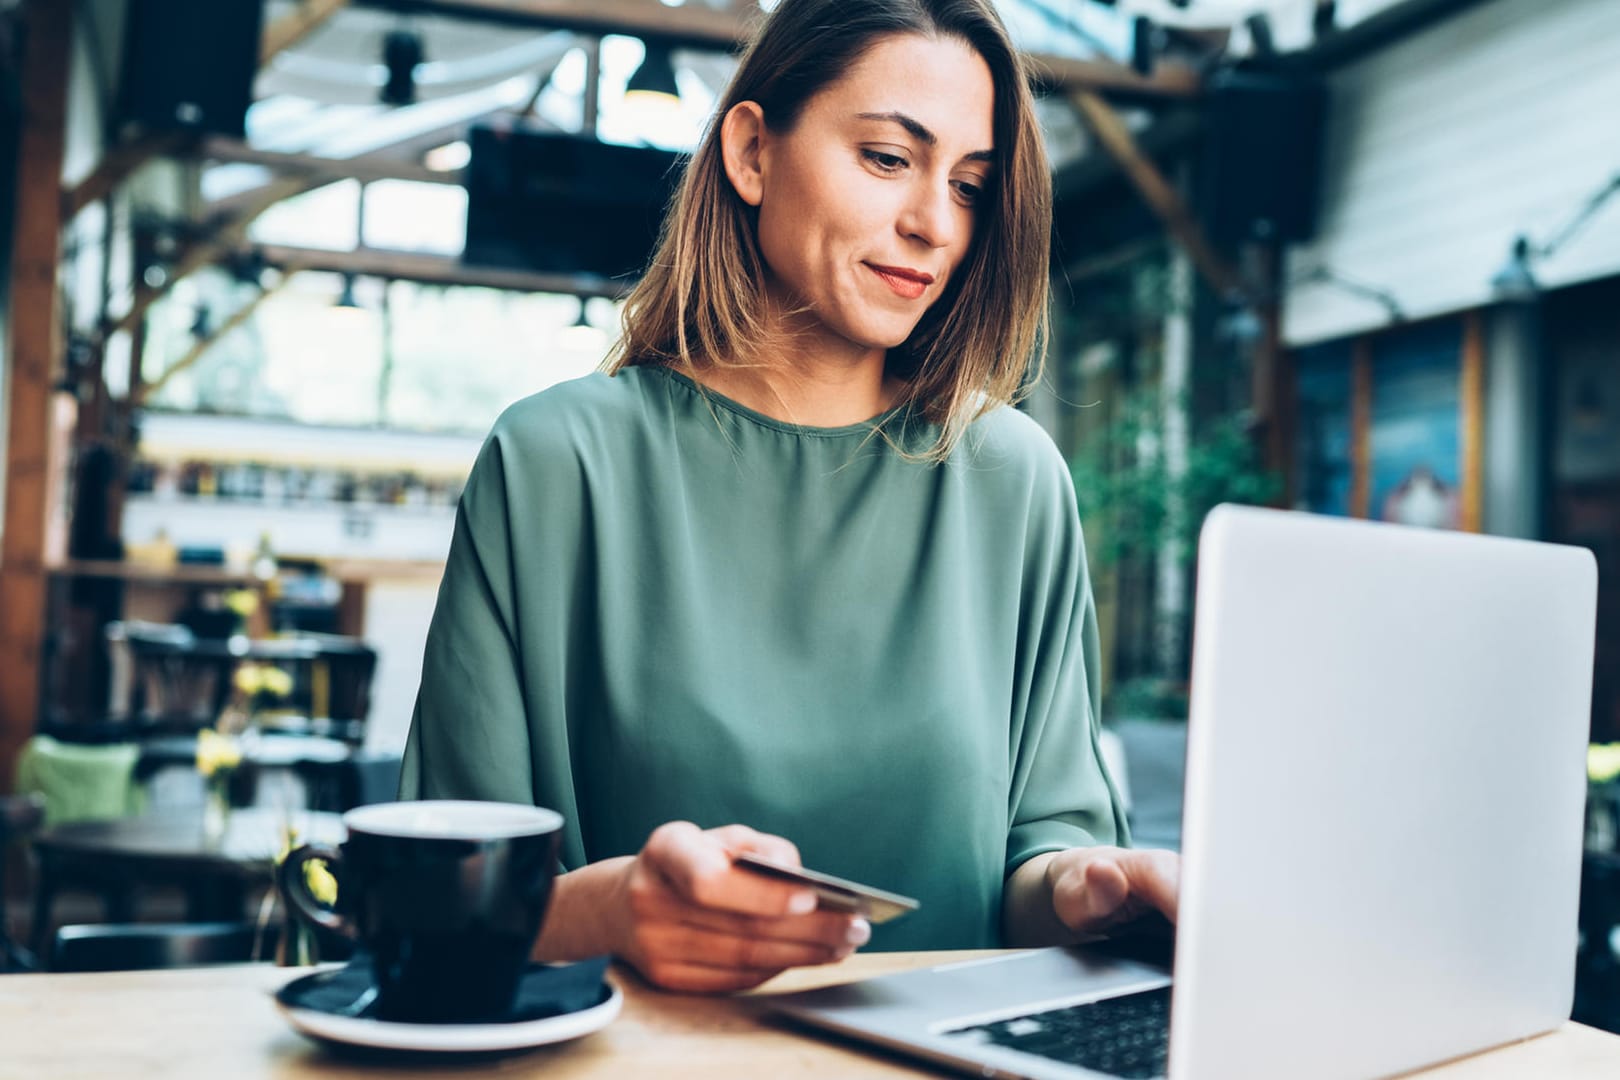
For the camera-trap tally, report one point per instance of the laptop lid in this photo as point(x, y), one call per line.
point(1385, 790)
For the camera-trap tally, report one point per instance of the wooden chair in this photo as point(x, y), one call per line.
point(20, 815)
point(143, 946)
point(163, 680)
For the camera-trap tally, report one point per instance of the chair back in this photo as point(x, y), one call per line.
point(20, 816)
point(331, 676)
point(144, 946)
point(163, 679)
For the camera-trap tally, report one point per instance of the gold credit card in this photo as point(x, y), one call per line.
point(835, 893)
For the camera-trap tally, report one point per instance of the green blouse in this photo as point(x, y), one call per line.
point(661, 605)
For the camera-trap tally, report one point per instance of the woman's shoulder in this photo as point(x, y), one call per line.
point(1006, 438)
point(564, 402)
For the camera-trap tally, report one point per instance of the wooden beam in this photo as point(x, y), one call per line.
point(439, 270)
point(1169, 80)
point(699, 25)
point(117, 165)
point(207, 252)
point(1167, 205)
point(139, 395)
point(690, 24)
point(289, 30)
point(32, 472)
point(1471, 391)
point(366, 167)
point(391, 161)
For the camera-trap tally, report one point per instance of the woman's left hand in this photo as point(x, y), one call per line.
point(1097, 890)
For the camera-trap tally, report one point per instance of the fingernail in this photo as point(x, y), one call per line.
point(802, 903)
point(860, 932)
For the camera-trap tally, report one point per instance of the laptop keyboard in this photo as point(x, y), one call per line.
point(1126, 1036)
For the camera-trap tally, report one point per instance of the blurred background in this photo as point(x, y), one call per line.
point(272, 269)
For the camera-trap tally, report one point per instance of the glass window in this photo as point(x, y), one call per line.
point(405, 215)
point(409, 356)
point(461, 355)
point(326, 218)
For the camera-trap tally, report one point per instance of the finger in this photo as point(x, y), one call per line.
point(697, 979)
point(740, 838)
point(1090, 891)
point(831, 929)
point(698, 868)
point(1155, 876)
point(684, 943)
point(1106, 888)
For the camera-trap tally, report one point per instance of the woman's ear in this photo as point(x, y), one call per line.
point(742, 144)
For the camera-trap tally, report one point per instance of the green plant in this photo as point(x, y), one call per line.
point(1134, 502)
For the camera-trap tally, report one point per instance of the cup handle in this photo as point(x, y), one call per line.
point(290, 880)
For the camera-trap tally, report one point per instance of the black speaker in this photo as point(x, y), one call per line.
point(1261, 162)
point(565, 204)
point(189, 64)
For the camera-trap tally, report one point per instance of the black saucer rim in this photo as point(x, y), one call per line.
point(290, 995)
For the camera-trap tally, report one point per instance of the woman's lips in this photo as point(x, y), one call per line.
point(906, 283)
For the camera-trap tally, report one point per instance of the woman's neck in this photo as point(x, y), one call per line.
point(814, 397)
point(808, 376)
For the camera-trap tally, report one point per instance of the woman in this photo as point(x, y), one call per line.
point(790, 577)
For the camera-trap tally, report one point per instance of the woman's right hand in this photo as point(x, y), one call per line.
point(690, 920)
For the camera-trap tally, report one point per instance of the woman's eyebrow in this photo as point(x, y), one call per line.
point(921, 133)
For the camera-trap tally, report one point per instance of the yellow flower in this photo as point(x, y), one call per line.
point(1602, 762)
point(322, 885)
point(216, 752)
point(276, 681)
point(252, 679)
point(242, 601)
point(249, 679)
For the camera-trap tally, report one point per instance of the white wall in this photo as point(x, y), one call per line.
point(397, 615)
point(1442, 148)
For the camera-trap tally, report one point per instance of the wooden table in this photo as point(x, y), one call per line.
point(212, 1022)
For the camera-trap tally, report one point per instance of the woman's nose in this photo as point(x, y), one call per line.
point(928, 214)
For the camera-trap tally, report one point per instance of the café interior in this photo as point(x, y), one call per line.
point(272, 268)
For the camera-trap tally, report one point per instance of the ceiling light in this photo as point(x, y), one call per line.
point(346, 299)
point(655, 78)
point(1260, 36)
point(581, 336)
point(402, 52)
point(450, 157)
point(1515, 281)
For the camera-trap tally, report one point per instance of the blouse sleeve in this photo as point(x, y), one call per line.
point(469, 737)
point(1061, 794)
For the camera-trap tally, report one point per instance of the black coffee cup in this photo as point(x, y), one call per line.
point(446, 896)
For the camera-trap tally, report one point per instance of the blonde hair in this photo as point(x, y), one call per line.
point(702, 300)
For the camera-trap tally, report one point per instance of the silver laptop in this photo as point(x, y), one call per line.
point(1382, 828)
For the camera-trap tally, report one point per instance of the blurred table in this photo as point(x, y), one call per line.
point(209, 1022)
point(264, 749)
point(170, 848)
point(320, 764)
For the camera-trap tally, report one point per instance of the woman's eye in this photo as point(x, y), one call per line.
point(884, 161)
point(970, 192)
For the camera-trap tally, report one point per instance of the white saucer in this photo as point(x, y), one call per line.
point(453, 1038)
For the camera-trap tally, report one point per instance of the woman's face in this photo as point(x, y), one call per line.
point(867, 204)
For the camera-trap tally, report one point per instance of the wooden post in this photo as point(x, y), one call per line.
point(32, 346)
point(1269, 388)
point(290, 29)
point(1361, 386)
point(1472, 448)
point(1159, 194)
